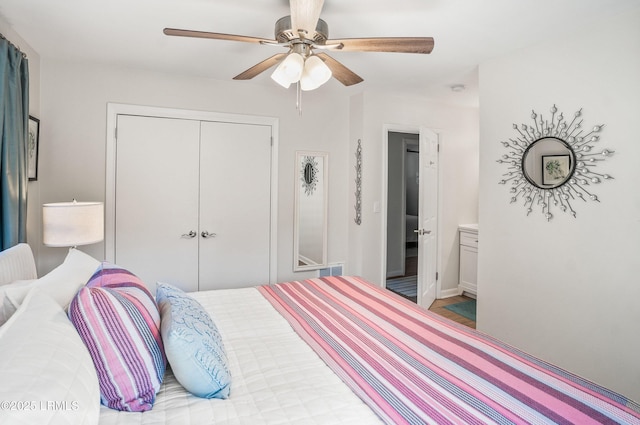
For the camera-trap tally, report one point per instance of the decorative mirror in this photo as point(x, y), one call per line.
point(552, 163)
point(310, 227)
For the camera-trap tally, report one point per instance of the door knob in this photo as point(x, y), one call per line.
point(421, 232)
point(192, 234)
point(207, 235)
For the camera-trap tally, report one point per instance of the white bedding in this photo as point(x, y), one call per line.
point(276, 377)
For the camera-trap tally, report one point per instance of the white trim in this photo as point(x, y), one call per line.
point(446, 293)
point(439, 269)
point(115, 109)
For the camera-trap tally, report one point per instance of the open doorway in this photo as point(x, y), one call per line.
point(403, 195)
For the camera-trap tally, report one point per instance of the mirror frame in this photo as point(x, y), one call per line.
point(303, 188)
point(583, 174)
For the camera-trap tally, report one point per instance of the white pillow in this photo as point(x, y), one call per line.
point(46, 371)
point(17, 263)
point(6, 310)
point(61, 283)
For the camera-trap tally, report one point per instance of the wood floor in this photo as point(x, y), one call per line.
point(411, 269)
point(438, 308)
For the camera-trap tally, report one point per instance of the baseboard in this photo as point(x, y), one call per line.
point(394, 273)
point(446, 293)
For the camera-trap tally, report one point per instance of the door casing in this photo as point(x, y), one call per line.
point(421, 131)
point(115, 109)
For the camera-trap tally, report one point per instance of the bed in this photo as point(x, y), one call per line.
point(334, 350)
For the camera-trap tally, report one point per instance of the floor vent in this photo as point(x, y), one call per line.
point(332, 270)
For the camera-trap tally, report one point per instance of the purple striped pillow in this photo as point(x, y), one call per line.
point(118, 320)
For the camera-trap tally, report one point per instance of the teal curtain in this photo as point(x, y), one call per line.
point(14, 132)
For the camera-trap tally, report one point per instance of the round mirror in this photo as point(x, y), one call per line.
point(548, 163)
point(308, 173)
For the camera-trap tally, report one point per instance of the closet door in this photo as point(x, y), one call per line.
point(235, 192)
point(156, 199)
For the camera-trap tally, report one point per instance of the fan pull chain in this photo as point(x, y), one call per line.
point(299, 98)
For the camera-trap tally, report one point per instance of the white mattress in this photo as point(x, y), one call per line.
point(276, 376)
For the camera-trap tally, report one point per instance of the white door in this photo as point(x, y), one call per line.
point(193, 202)
point(428, 218)
point(235, 205)
point(156, 199)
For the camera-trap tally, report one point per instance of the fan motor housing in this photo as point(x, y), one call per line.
point(284, 33)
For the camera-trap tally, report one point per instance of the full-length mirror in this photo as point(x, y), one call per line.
point(310, 229)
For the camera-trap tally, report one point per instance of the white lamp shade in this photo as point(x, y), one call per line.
point(315, 73)
point(72, 223)
point(289, 70)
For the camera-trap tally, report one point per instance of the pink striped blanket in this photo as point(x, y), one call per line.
point(411, 366)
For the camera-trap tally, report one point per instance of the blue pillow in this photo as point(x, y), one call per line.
point(192, 344)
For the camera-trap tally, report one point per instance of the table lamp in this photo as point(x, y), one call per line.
point(71, 224)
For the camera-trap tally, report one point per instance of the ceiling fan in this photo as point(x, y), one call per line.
point(302, 33)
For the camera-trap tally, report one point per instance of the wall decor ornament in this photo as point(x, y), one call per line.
point(552, 163)
point(309, 174)
point(358, 193)
point(33, 148)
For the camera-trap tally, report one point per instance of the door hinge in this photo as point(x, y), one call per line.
point(271, 140)
point(437, 275)
point(438, 148)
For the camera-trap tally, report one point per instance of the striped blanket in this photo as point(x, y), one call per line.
point(411, 366)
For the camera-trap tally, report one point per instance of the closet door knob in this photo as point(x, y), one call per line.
point(192, 234)
point(207, 235)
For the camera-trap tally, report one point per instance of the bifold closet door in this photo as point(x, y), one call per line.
point(157, 181)
point(235, 205)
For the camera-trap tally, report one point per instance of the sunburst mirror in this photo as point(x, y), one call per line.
point(309, 174)
point(552, 163)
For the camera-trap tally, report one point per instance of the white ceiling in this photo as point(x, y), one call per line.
point(466, 32)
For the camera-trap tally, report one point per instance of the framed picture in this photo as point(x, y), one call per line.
point(32, 150)
point(555, 169)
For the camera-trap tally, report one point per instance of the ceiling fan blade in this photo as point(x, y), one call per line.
point(305, 15)
point(215, 35)
point(260, 67)
point(386, 44)
point(339, 71)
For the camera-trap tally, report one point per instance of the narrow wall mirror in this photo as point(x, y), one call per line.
point(310, 225)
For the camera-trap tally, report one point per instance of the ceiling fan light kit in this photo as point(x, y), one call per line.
point(315, 73)
point(302, 32)
point(301, 66)
point(289, 71)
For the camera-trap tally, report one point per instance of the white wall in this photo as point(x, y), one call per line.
point(566, 290)
point(457, 128)
point(71, 99)
point(74, 102)
point(74, 99)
